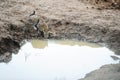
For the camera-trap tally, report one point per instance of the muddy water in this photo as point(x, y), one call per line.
point(55, 60)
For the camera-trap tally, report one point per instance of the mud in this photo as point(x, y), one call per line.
point(69, 19)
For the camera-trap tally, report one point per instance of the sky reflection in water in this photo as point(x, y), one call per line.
point(55, 60)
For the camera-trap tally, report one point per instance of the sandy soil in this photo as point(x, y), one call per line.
point(66, 19)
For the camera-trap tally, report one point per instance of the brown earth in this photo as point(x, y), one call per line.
point(107, 72)
point(66, 19)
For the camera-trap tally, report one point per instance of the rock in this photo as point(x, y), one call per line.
point(115, 58)
point(107, 72)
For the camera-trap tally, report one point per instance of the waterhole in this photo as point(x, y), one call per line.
point(55, 60)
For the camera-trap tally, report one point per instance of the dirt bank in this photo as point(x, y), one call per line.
point(107, 72)
point(66, 19)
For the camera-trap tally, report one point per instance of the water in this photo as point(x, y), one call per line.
point(55, 60)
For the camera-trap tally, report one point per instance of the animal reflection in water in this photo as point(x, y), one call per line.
point(36, 46)
point(39, 45)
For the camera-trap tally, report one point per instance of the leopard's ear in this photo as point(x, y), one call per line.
point(32, 14)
